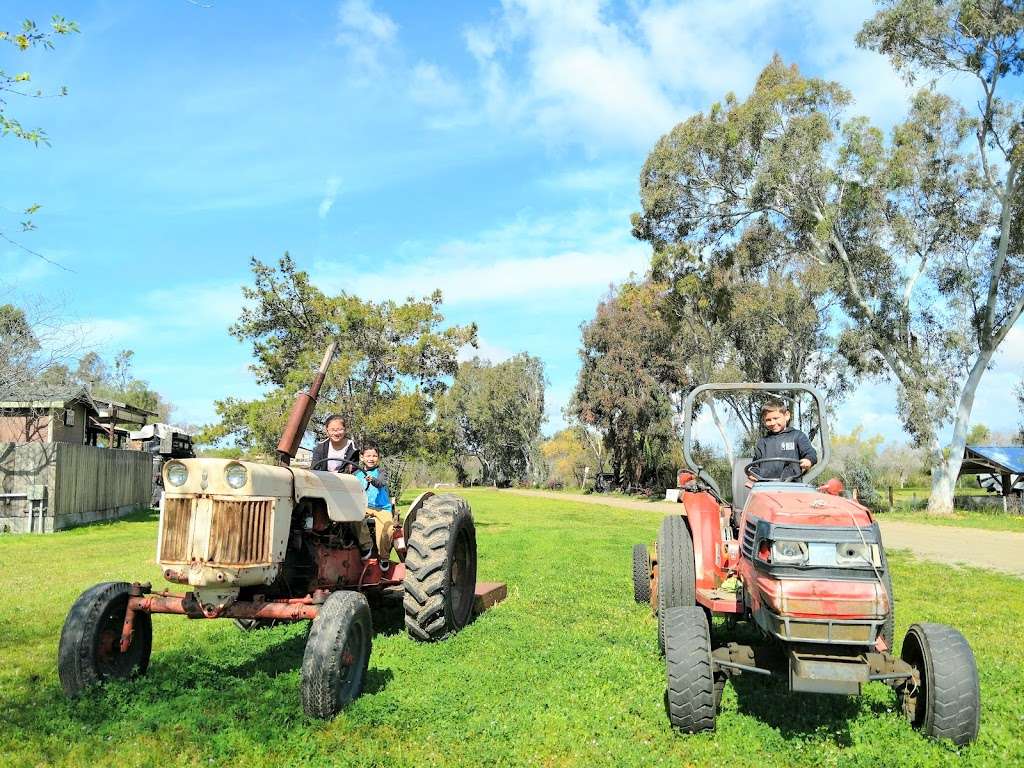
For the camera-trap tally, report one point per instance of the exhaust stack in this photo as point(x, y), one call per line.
point(302, 410)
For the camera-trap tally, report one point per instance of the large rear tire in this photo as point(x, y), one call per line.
point(641, 574)
point(337, 655)
point(946, 701)
point(90, 642)
point(677, 585)
point(440, 569)
point(691, 695)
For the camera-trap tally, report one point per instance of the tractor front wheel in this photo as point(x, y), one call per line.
point(90, 642)
point(943, 699)
point(641, 574)
point(677, 583)
point(337, 654)
point(692, 694)
point(440, 568)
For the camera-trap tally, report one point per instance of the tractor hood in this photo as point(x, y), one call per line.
point(801, 505)
point(342, 494)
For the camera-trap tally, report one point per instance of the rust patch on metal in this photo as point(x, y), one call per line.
point(488, 594)
point(174, 537)
point(240, 531)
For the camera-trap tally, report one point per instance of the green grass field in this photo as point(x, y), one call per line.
point(565, 672)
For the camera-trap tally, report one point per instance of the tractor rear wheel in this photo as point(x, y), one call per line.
point(677, 585)
point(692, 694)
point(90, 642)
point(337, 654)
point(944, 701)
point(440, 568)
point(641, 574)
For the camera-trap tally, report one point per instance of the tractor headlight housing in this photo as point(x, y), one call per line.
point(177, 473)
point(236, 475)
point(854, 553)
point(789, 553)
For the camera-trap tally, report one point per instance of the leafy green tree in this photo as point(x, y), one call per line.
point(493, 413)
point(19, 84)
point(394, 360)
point(978, 433)
point(628, 374)
point(912, 236)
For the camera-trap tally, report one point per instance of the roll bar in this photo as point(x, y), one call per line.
point(768, 387)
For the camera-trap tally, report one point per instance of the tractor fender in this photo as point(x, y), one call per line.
point(410, 514)
point(704, 518)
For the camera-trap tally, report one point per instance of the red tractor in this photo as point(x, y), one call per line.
point(805, 567)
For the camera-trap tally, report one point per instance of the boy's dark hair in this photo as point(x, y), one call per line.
point(774, 405)
point(370, 447)
point(335, 417)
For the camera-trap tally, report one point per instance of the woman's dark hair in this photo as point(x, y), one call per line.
point(335, 417)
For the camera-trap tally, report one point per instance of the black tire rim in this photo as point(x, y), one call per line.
point(915, 691)
point(461, 571)
point(352, 657)
point(110, 662)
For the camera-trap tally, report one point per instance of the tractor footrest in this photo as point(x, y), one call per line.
point(487, 594)
point(719, 600)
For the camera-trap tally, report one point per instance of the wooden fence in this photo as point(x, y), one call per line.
point(47, 487)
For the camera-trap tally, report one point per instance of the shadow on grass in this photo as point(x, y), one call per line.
point(252, 676)
point(769, 699)
point(799, 714)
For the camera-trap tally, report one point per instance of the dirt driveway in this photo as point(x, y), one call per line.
point(996, 550)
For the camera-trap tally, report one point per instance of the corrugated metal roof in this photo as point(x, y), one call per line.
point(1007, 458)
point(44, 397)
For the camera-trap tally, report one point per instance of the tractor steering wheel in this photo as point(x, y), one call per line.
point(324, 463)
point(747, 471)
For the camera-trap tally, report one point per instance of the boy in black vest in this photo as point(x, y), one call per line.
point(781, 442)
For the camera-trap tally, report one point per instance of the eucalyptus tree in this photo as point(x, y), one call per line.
point(493, 412)
point(914, 235)
point(628, 375)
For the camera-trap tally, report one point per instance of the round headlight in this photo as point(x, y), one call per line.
point(177, 473)
point(236, 475)
point(849, 553)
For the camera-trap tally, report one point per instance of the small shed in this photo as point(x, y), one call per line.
point(47, 415)
point(1003, 461)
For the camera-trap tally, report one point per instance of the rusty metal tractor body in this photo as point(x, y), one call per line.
point(263, 544)
point(807, 569)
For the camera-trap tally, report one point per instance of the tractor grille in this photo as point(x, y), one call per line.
point(240, 531)
point(748, 539)
point(174, 537)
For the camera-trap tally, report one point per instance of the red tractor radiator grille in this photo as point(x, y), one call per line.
point(240, 532)
point(174, 536)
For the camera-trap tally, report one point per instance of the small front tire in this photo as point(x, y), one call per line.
point(337, 655)
point(944, 701)
point(692, 693)
point(90, 642)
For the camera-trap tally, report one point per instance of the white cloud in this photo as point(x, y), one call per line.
point(432, 87)
point(530, 258)
point(485, 350)
point(365, 33)
point(594, 179)
point(330, 195)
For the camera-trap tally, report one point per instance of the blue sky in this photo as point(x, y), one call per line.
point(489, 150)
